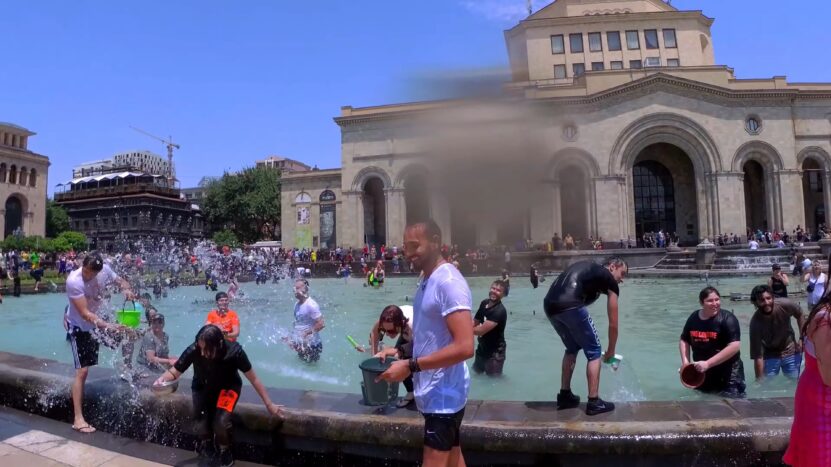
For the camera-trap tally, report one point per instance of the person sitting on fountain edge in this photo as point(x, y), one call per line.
point(566, 306)
point(714, 336)
point(154, 353)
point(308, 322)
point(773, 345)
point(216, 388)
point(224, 318)
point(489, 324)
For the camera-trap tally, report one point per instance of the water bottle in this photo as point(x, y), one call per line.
point(614, 362)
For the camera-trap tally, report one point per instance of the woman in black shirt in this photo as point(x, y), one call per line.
point(216, 387)
point(714, 337)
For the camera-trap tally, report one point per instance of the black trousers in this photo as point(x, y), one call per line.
point(210, 421)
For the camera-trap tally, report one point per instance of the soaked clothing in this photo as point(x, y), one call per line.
point(159, 345)
point(490, 353)
point(579, 286)
point(771, 334)
point(707, 337)
point(810, 444)
point(780, 290)
point(217, 374)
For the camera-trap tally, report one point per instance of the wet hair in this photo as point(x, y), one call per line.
point(823, 303)
point(159, 318)
point(705, 292)
point(431, 229)
point(757, 292)
point(213, 338)
point(615, 261)
point(776, 267)
point(392, 314)
point(146, 295)
point(221, 295)
point(502, 284)
point(305, 284)
point(93, 261)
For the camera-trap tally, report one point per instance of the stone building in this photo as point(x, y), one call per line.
point(142, 161)
point(284, 164)
point(23, 181)
point(635, 129)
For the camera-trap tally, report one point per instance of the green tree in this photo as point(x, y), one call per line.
point(226, 237)
point(246, 203)
point(57, 220)
point(76, 240)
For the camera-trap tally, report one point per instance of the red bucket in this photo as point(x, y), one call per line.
point(690, 377)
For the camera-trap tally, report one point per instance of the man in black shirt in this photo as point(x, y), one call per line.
point(489, 325)
point(566, 306)
point(773, 345)
point(216, 387)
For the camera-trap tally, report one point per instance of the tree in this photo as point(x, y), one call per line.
point(226, 237)
point(57, 220)
point(246, 203)
point(76, 240)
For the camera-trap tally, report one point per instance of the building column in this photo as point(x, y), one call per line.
point(555, 209)
point(608, 216)
point(789, 202)
point(730, 200)
point(396, 215)
point(440, 209)
point(541, 214)
point(826, 195)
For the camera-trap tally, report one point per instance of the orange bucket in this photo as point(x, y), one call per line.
point(690, 377)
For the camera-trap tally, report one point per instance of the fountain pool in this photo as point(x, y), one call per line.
point(653, 311)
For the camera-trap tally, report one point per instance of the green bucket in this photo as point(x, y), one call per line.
point(382, 392)
point(129, 318)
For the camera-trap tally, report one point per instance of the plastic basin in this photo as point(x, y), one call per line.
point(382, 392)
point(690, 377)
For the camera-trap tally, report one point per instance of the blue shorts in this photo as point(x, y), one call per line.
point(577, 331)
point(789, 365)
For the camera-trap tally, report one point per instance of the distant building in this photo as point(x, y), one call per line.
point(142, 161)
point(285, 164)
point(118, 205)
point(23, 183)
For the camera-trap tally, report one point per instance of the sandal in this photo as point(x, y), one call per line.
point(404, 402)
point(85, 429)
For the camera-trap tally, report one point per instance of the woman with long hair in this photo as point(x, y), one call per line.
point(810, 444)
point(216, 388)
point(393, 323)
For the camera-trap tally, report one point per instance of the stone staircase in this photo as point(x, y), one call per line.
point(731, 259)
point(677, 261)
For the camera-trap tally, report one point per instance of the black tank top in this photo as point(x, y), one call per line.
point(779, 288)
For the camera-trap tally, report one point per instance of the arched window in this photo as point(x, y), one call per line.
point(3, 172)
point(24, 175)
point(303, 198)
point(33, 178)
point(13, 174)
point(654, 198)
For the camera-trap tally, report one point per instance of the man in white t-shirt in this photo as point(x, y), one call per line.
point(308, 322)
point(753, 244)
point(86, 289)
point(442, 341)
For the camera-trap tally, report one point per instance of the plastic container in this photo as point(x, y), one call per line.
point(382, 392)
point(168, 387)
point(129, 318)
point(690, 377)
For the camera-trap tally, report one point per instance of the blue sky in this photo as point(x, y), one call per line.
point(233, 82)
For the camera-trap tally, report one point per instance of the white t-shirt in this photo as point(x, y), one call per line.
point(443, 390)
point(819, 288)
point(95, 291)
point(305, 317)
point(754, 245)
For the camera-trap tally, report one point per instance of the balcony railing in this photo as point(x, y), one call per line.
point(120, 190)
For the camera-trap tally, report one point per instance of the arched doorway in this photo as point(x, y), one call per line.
point(574, 203)
point(14, 215)
point(755, 196)
point(416, 201)
point(664, 189)
point(813, 194)
point(375, 212)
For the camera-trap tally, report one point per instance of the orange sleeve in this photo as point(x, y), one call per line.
point(234, 317)
point(212, 318)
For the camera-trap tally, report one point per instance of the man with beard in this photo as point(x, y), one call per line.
point(489, 324)
point(773, 345)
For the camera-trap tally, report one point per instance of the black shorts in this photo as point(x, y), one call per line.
point(310, 353)
point(84, 348)
point(441, 430)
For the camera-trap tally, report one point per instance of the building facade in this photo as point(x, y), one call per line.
point(628, 126)
point(141, 161)
point(284, 164)
point(115, 207)
point(23, 182)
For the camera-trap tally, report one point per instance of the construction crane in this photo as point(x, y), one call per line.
point(170, 147)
